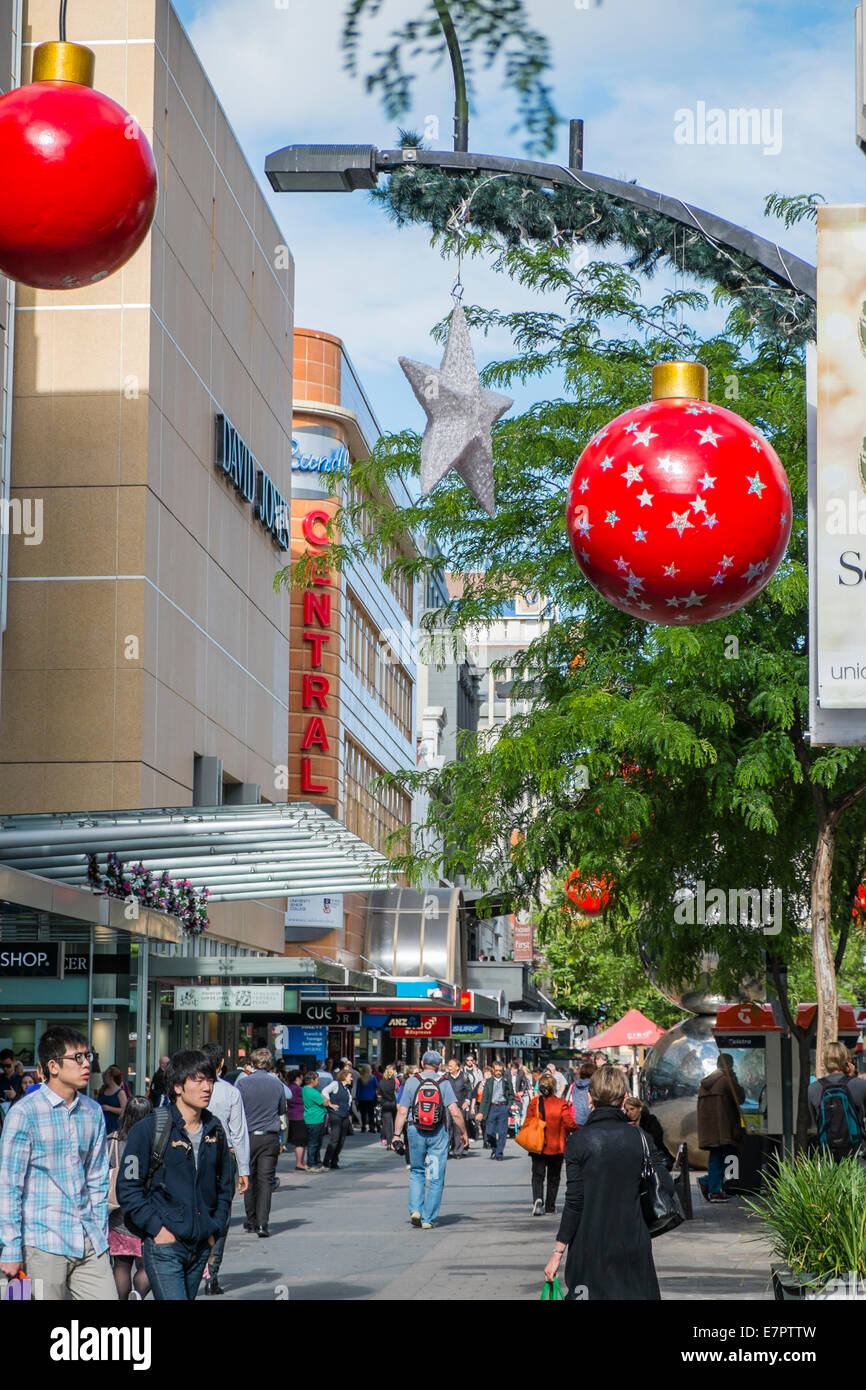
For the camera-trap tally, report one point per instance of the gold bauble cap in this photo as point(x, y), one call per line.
point(64, 62)
point(688, 380)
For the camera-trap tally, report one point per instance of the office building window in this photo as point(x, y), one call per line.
point(375, 664)
point(401, 585)
point(372, 813)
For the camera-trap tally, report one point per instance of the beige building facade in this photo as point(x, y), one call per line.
point(152, 416)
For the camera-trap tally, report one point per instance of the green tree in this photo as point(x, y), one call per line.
point(494, 30)
point(722, 786)
point(590, 967)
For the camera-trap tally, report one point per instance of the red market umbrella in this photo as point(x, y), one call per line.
point(633, 1030)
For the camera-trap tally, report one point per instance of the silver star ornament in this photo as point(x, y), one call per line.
point(460, 415)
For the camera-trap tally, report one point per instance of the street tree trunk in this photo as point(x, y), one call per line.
point(822, 942)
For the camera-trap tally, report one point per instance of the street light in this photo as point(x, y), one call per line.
point(322, 168)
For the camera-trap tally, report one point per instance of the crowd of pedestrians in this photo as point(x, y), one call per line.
point(120, 1196)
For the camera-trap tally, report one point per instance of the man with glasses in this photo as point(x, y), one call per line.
point(54, 1188)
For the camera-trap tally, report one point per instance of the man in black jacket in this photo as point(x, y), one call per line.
point(462, 1088)
point(496, 1100)
point(186, 1204)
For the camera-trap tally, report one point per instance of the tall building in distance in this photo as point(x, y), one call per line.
point(352, 697)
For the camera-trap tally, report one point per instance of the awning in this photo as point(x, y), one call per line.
point(236, 852)
point(288, 970)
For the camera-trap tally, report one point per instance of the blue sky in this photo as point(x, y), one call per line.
point(626, 66)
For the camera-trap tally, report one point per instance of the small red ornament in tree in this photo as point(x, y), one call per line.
point(858, 911)
point(679, 511)
point(591, 896)
point(79, 176)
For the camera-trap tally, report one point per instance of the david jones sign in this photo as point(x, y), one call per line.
point(251, 482)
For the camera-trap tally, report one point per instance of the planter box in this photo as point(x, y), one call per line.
point(788, 1286)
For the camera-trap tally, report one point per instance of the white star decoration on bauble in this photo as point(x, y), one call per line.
point(460, 415)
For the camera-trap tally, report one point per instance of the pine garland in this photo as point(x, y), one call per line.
point(517, 209)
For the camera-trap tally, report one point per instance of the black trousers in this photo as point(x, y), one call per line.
point(367, 1109)
point(336, 1138)
point(388, 1117)
point(549, 1166)
point(215, 1258)
point(264, 1152)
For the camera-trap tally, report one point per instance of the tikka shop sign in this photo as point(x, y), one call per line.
point(29, 958)
point(252, 482)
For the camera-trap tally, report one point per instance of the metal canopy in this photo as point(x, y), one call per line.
point(237, 852)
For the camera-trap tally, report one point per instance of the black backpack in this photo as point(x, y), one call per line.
point(428, 1108)
point(158, 1146)
point(839, 1128)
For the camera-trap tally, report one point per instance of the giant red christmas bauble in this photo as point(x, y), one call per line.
point(79, 184)
point(591, 896)
point(678, 511)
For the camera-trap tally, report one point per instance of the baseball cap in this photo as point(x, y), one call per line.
point(431, 1059)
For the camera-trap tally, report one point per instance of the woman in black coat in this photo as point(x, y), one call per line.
point(388, 1103)
point(602, 1227)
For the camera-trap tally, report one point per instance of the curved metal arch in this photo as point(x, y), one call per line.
point(343, 168)
point(783, 266)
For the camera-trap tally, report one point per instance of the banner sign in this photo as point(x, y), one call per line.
point(838, 487)
point(524, 936)
point(315, 910)
point(466, 1030)
point(526, 1040)
point(223, 999)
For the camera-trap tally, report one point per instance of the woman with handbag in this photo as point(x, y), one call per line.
point(557, 1122)
point(123, 1247)
point(603, 1227)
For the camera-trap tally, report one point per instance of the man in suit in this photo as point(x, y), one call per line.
point(496, 1100)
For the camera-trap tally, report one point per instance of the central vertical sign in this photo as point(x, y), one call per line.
point(317, 620)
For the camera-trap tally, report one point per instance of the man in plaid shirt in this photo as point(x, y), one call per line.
point(54, 1179)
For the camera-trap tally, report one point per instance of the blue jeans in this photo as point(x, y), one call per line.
point(497, 1127)
point(428, 1154)
point(174, 1269)
point(314, 1145)
point(716, 1168)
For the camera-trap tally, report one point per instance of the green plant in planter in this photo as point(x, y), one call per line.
point(815, 1210)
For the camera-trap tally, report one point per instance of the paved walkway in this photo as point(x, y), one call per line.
point(346, 1235)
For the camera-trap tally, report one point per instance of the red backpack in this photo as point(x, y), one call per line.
point(428, 1108)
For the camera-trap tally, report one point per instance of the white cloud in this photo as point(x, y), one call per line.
point(626, 66)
